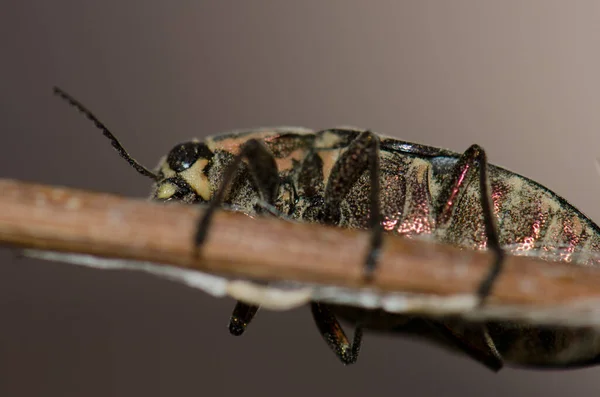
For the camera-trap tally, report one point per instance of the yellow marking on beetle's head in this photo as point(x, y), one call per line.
point(166, 170)
point(197, 179)
point(194, 176)
point(165, 190)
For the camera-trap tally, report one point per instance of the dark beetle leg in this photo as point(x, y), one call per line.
point(263, 169)
point(362, 154)
point(241, 317)
point(475, 342)
point(474, 160)
point(334, 335)
point(267, 208)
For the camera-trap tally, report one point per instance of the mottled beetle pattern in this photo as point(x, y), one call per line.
point(355, 178)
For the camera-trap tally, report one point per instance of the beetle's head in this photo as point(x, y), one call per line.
point(183, 174)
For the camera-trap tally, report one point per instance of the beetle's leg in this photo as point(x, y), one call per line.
point(270, 209)
point(334, 335)
point(472, 160)
point(474, 341)
point(263, 168)
point(241, 317)
point(361, 154)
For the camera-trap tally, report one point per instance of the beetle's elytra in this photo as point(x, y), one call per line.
point(357, 179)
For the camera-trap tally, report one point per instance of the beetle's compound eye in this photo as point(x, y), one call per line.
point(184, 155)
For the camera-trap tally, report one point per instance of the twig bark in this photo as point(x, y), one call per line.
point(68, 220)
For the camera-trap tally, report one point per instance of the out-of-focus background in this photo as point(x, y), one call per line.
point(522, 79)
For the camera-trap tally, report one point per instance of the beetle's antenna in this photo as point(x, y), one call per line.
point(113, 140)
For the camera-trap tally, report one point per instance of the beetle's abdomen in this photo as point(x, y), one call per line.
point(530, 218)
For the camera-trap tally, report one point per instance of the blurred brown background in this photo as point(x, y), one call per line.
point(521, 78)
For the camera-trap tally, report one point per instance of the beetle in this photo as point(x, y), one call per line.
point(354, 178)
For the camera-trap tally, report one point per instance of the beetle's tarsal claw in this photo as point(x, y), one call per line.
point(236, 326)
point(240, 318)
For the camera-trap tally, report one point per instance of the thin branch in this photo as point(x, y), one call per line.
point(75, 221)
